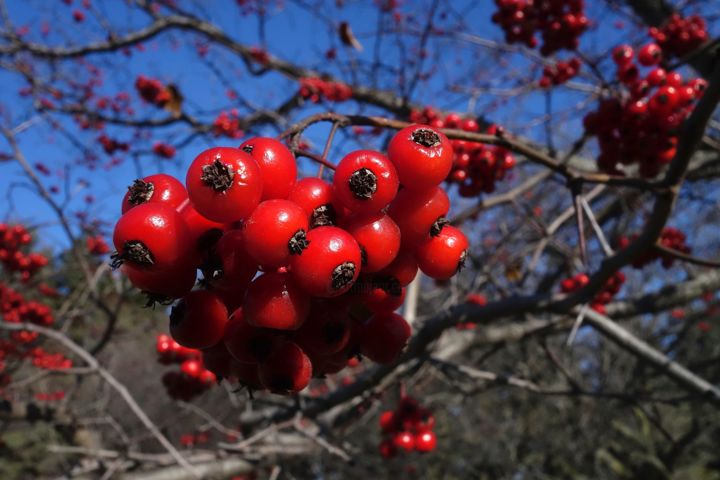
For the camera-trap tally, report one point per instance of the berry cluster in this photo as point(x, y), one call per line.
point(559, 73)
point(642, 126)
point(476, 167)
point(96, 245)
point(316, 89)
point(333, 258)
point(192, 379)
point(680, 36)
point(407, 428)
point(110, 145)
point(560, 22)
point(163, 150)
point(670, 237)
point(603, 297)
point(226, 124)
point(12, 240)
point(152, 91)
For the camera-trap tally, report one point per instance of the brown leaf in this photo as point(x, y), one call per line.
point(174, 105)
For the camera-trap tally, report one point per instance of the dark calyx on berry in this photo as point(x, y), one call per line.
point(343, 275)
point(426, 138)
point(437, 227)
point(248, 148)
point(323, 216)
point(363, 183)
point(140, 192)
point(218, 176)
point(133, 251)
point(298, 242)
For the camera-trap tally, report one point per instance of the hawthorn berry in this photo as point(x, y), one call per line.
point(275, 231)
point(315, 196)
point(274, 301)
point(170, 283)
point(444, 254)
point(650, 55)
point(330, 264)
point(230, 266)
point(246, 343)
point(325, 332)
point(224, 184)
point(422, 156)
point(287, 369)
point(198, 320)
point(277, 166)
point(404, 441)
point(365, 181)
point(378, 237)
point(159, 188)
point(425, 441)
point(383, 336)
point(418, 213)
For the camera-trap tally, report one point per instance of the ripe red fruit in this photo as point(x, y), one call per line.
point(404, 441)
point(383, 336)
point(203, 232)
point(325, 332)
point(664, 100)
point(273, 301)
point(198, 320)
point(275, 231)
point(365, 181)
point(443, 255)
point(151, 236)
point(418, 212)
point(224, 184)
point(401, 271)
point(218, 360)
point(248, 344)
point(160, 188)
point(650, 54)
point(387, 421)
point(622, 55)
point(378, 237)
point(230, 265)
point(425, 441)
point(173, 282)
point(378, 299)
point(287, 370)
point(330, 265)
point(656, 77)
point(422, 156)
point(277, 165)
point(315, 197)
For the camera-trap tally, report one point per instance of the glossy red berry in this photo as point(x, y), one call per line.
point(422, 156)
point(656, 77)
point(160, 188)
point(274, 301)
point(287, 370)
point(623, 55)
point(650, 55)
point(425, 441)
point(330, 265)
point(378, 299)
point(151, 236)
point(387, 421)
point(383, 336)
point(404, 441)
point(365, 181)
point(198, 320)
point(230, 265)
point(224, 184)
point(277, 166)
point(203, 232)
point(378, 237)
point(326, 331)
point(401, 271)
point(417, 213)
point(173, 282)
point(248, 344)
point(664, 100)
point(443, 255)
point(315, 196)
point(275, 231)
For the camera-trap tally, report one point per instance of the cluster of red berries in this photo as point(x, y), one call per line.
point(227, 124)
point(323, 250)
point(96, 245)
point(680, 36)
point(642, 126)
point(560, 22)
point(603, 297)
point(316, 89)
point(13, 240)
point(670, 237)
point(163, 150)
point(476, 167)
point(559, 73)
point(111, 145)
point(152, 91)
point(192, 379)
point(49, 361)
point(407, 428)
point(15, 308)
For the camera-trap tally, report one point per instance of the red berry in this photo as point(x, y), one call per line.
point(423, 156)
point(158, 188)
point(224, 184)
point(425, 441)
point(277, 166)
point(203, 232)
point(325, 332)
point(315, 197)
point(387, 421)
point(151, 236)
point(365, 181)
point(402, 270)
point(287, 370)
point(378, 299)
point(248, 344)
point(230, 265)
point(383, 336)
point(650, 54)
point(275, 231)
point(622, 55)
point(417, 212)
point(444, 255)
point(378, 237)
point(198, 320)
point(273, 301)
point(404, 441)
point(330, 265)
point(173, 282)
